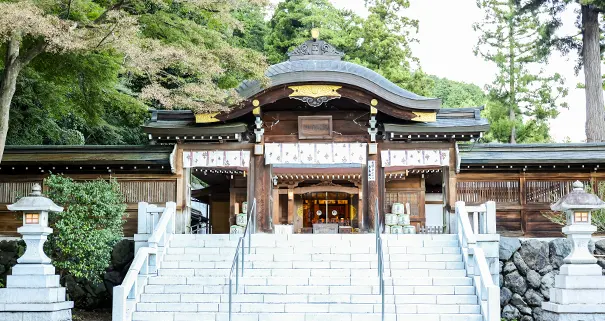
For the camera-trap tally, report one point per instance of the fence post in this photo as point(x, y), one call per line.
point(490, 217)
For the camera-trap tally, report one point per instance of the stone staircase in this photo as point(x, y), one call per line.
point(311, 277)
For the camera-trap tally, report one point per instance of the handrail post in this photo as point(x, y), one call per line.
point(236, 275)
point(243, 260)
point(230, 296)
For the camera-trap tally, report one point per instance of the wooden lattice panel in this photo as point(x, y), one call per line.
point(10, 191)
point(411, 197)
point(547, 191)
point(477, 192)
point(155, 192)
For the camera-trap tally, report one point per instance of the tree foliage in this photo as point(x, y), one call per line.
point(510, 38)
point(160, 53)
point(588, 43)
point(86, 231)
point(380, 42)
point(455, 94)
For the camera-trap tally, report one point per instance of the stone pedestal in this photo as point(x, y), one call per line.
point(33, 291)
point(578, 294)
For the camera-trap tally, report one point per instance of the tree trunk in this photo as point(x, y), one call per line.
point(512, 90)
point(591, 56)
point(8, 84)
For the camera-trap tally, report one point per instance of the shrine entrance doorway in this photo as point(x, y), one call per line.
point(302, 202)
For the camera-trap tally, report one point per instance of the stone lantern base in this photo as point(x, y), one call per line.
point(33, 293)
point(578, 294)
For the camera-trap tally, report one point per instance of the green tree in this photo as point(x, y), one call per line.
point(454, 94)
point(589, 47)
point(500, 125)
point(89, 227)
point(380, 42)
point(74, 99)
point(510, 38)
point(172, 54)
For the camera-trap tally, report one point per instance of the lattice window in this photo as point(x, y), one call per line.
point(10, 191)
point(156, 192)
point(413, 198)
point(478, 192)
point(548, 191)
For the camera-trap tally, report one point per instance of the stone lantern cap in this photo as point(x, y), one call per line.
point(578, 199)
point(35, 202)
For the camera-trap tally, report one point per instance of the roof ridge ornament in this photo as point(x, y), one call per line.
point(315, 49)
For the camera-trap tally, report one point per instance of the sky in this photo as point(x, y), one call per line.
point(445, 49)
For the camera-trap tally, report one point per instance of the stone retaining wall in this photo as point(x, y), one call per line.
point(85, 294)
point(527, 272)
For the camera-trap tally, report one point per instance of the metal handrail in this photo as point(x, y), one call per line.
point(251, 220)
point(377, 226)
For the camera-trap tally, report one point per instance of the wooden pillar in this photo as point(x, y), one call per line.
point(290, 205)
point(523, 203)
point(373, 191)
point(275, 203)
point(261, 193)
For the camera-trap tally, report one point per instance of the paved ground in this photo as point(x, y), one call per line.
point(80, 315)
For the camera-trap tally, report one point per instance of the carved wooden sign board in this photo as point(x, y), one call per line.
point(314, 127)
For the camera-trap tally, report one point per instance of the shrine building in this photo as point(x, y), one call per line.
point(320, 144)
point(316, 148)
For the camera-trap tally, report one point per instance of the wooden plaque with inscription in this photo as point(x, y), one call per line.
point(314, 127)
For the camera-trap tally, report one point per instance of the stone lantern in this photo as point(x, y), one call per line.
point(580, 285)
point(33, 291)
point(577, 207)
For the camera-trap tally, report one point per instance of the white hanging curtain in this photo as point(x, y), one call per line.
point(415, 157)
point(216, 158)
point(321, 153)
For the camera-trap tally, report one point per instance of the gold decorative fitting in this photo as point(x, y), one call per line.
point(427, 117)
point(374, 102)
point(206, 118)
point(255, 103)
point(256, 111)
point(373, 110)
point(315, 33)
point(315, 91)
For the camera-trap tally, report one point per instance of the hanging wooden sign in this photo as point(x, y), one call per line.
point(371, 170)
point(314, 127)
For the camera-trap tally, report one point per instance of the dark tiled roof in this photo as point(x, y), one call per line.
point(539, 154)
point(87, 154)
point(336, 71)
point(451, 120)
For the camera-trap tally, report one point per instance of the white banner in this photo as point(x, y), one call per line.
point(216, 158)
point(415, 157)
point(321, 153)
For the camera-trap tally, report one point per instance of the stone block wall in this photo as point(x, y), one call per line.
point(527, 272)
point(85, 294)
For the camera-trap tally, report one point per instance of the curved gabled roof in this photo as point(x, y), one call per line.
point(322, 65)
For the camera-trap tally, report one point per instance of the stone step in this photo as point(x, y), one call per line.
point(317, 257)
point(195, 297)
point(209, 316)
point(264, 294)
point(297, 307)
point(287, 270)
point(334, 285)
point(323, 280)
point(313, 241)
point(316, 264)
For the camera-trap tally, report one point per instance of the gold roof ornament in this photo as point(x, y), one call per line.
point(315, 95)
point(206, 118)
point(315, 33)
point(427, 117)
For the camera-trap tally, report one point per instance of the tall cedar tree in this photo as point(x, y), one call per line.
point(589, 48)
point(169, 73)
point(510, 38)
point(380, 42)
